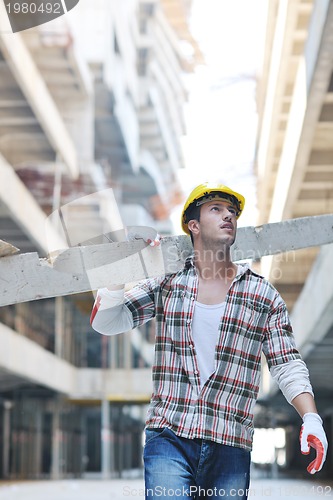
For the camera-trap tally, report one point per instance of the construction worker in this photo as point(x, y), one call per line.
point(214, 318)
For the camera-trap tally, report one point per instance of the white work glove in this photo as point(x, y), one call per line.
point(313, 434)
point(147, 234)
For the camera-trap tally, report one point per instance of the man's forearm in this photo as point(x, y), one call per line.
point(304, 403)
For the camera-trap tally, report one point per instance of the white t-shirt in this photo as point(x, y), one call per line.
point(205, 331)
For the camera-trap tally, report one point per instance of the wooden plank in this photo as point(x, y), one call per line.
point(83, 268)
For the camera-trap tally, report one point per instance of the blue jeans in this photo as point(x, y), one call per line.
point(177, 467)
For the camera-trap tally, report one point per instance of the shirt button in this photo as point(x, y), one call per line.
point(191, 346)
point(188, 321)
point(196, 372)
point(192, 298)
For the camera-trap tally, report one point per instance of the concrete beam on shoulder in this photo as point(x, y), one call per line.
point(85, 268)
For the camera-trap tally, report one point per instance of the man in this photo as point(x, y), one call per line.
point(214, 318)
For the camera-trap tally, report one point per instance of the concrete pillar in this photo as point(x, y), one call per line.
point(121, 440)
point(84, 444)
point(105, 439)
point(113, 351)
point(104, 353)
point(38, 441)
point(127, 351)
point(330, 448)
point(59, 326)
point(56, 442)
point(56, 202)
point(274, 469)
point(18, 321)
point(6, 438)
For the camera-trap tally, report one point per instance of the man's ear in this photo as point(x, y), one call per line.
point(194, 226)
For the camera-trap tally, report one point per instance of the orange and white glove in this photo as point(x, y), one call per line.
point(155, 242)
point(313, 434)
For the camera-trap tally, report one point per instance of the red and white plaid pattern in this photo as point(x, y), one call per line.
point(255, 321)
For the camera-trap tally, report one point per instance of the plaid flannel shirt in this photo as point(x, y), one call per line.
point(255, 321)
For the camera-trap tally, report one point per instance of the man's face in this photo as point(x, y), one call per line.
point(218, 222)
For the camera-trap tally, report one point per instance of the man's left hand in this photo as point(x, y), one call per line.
point(313, 434)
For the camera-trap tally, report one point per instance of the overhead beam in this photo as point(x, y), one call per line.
point(23, 208)
point(312, 314)
point(279, 58)
point(36, 92)
point(24, 358)
point(313, 76)
point(308, 207)
point(311, 85)
point(117, 385)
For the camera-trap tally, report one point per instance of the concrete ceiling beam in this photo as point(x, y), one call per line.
point(37, 94)
point(314, 74)
point(23, 208)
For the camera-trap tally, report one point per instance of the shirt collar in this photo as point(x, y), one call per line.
point(242, 268)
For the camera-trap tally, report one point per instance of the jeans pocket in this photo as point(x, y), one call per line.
point(152, 433)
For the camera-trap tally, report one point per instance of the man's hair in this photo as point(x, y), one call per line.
point(193, 212)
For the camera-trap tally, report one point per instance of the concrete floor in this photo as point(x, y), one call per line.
point(120, 489)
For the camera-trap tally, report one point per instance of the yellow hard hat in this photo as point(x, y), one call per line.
point(209, 190)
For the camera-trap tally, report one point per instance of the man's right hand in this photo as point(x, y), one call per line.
point(145, 233)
